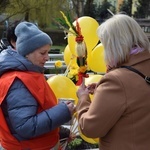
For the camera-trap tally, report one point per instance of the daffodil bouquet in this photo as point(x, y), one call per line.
point(73, 73)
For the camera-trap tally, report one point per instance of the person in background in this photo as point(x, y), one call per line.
point(10, 40)
point(29, 113)
point(3, 44)
point(11, 37)
point(119, 114)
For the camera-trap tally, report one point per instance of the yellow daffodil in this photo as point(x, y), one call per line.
point(74, 66)
point(73, 73)
point(70, 75)
point(58, 64)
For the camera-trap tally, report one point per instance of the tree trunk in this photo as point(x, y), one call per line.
point(79, 7)
point(26, 18)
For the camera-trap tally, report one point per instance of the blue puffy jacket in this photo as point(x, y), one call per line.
point(19, 104)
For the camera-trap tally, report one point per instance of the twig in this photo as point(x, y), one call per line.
point(68, 67)
point(110, 12)
point(63, 139)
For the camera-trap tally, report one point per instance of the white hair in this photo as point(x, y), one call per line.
point(119, 35)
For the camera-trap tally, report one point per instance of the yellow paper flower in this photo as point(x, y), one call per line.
point(74, 67)
point(73, 73)
point(70, 75)
point(58, 64)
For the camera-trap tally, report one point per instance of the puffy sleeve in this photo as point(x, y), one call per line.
point(20, 109)
point(96, 118)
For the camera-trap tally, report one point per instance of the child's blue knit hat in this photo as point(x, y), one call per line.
point(30, 38)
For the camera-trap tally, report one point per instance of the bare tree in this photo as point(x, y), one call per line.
point(88, 7)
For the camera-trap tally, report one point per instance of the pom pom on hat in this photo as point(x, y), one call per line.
point(30, 38)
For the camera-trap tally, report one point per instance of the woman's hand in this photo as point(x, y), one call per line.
point(71, 107)
point(91, 88)
point(82, 90)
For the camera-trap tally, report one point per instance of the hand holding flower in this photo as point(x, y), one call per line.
point(82, 90)
point(91, 88)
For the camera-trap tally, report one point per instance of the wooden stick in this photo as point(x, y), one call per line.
point(110, 12)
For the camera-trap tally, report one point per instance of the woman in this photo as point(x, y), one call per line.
point(29, 113)
point(119, 114)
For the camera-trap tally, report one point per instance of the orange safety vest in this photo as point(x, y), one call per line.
point(39, 88)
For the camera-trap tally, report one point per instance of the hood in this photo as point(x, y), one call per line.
point(11, 60)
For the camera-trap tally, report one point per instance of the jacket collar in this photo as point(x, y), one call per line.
point(137, 58)
point(134, 59)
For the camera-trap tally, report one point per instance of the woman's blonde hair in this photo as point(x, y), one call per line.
point(119, 35)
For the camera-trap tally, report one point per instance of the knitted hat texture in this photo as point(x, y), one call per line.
point(30, 38)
